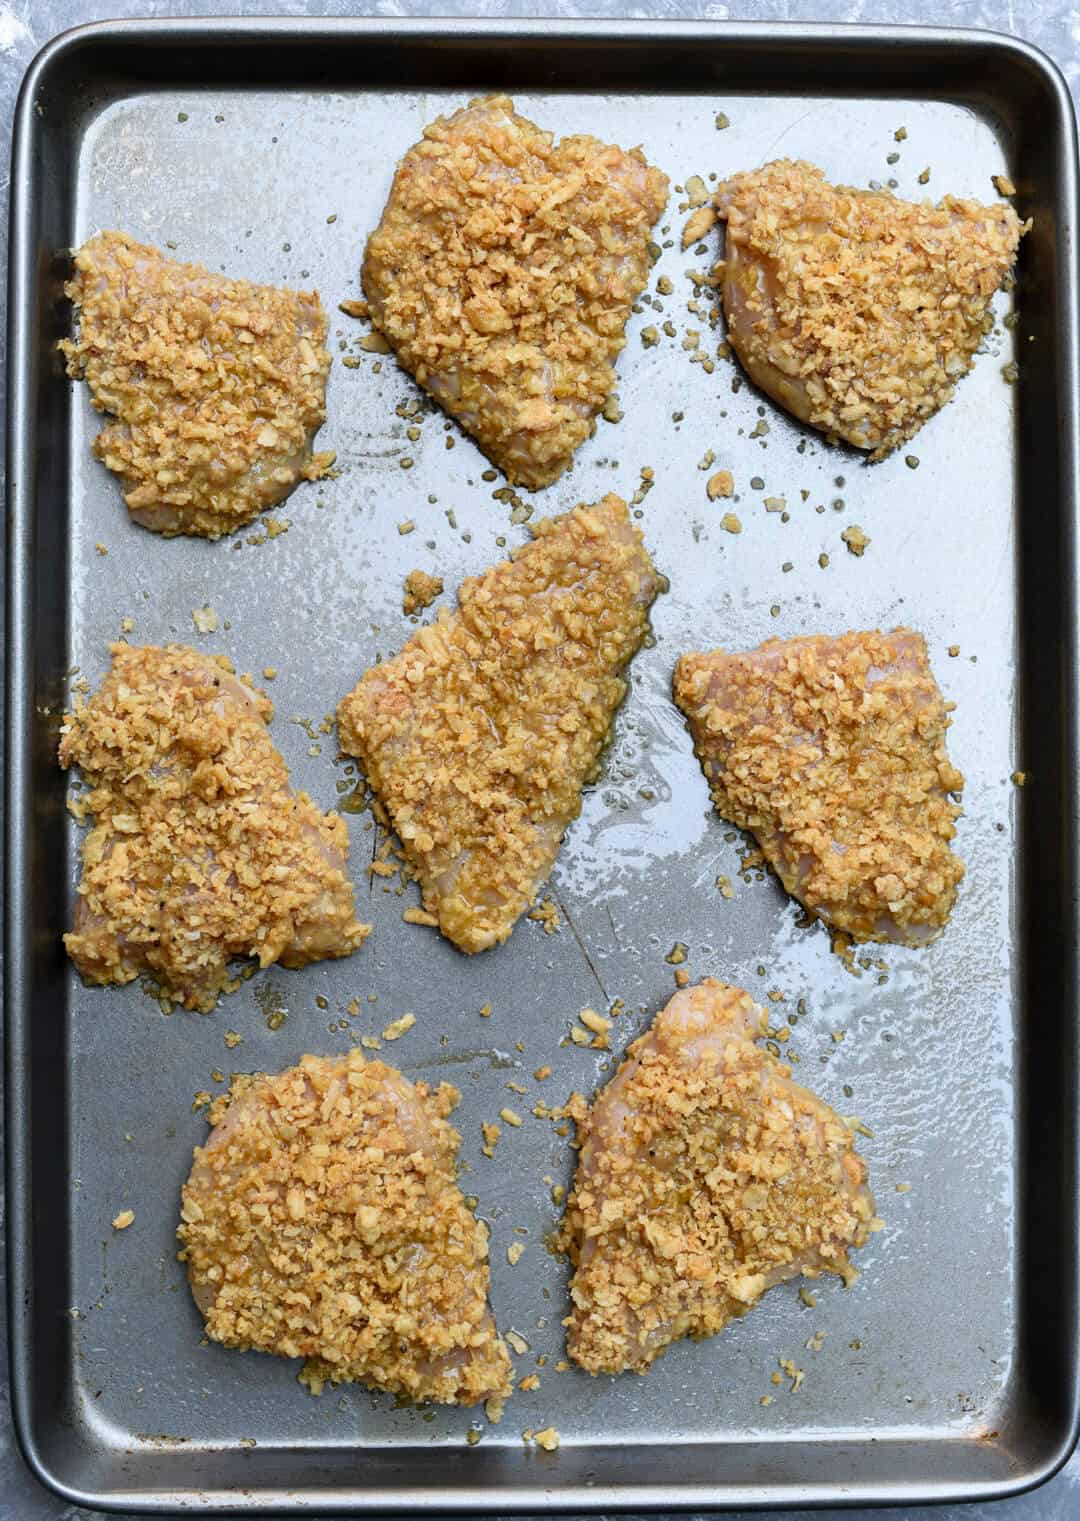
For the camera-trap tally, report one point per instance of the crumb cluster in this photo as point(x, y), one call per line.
point(503, 273)
point(217, 386)
point(420, 591)
point(322, 1220)
point(479, 736)
point(832, 751)
point(199, 850)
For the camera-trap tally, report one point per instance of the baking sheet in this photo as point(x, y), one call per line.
point(924, 1382)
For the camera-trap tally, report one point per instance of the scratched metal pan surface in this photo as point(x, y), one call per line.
point(267, 149)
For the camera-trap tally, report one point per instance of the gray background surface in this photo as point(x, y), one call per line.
point(26, 27)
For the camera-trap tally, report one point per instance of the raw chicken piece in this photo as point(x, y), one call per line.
point(217, 386)
point(479, 736)
point(832, 751)
point(199, 851)
point(322, 1220)
point(503, 273)
point(856, 311)
point(705, 1176)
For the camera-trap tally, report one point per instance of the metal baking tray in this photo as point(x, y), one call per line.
point(950, 1370)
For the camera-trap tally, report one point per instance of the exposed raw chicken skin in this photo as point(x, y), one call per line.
point(200, 852)
point(503, 273)
point(705, 1176)
point(322, 1220)
point(216, 386)
point(832, 751)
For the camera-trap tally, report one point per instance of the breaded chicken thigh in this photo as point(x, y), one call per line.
point(832, 751)
point(705, 1176)
point(216, 387)
point(322, 1220)
point(503, 273)
point(479, 736)
point(200, 852)
point(856, 311)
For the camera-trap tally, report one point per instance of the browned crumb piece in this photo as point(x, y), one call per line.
point(705, 1176)
point(322, 1220)
point(420, 591)
point(200, 851)
point(832, 751)
point(548, 1439)
point(503, 273)
point(217, 386)
point(855, 310)
point(731, 523)
point(698, 225)
point(480, 735)
point(721, 484)
point(546, 913)
point(856, 540)
point(125, 1218)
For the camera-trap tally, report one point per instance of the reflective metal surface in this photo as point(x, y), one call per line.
point(267, 150)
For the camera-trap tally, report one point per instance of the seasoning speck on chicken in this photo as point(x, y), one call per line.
point(322, 1220)
point(200, 851)
point(832, 751)
point(503, 273)
point(705, 1176)
point(479, 736)
point(856, 311)
point(216, 386)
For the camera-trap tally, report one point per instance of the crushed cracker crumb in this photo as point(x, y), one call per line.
point(722, 484)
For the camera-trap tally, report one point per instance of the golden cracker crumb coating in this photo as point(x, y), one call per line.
point(503, 273)
point(200, 852)
point(832, 751)
point(855, 310)
point(216, 386)
point(322, 1220)
point(479, 736)
point(705, 1176)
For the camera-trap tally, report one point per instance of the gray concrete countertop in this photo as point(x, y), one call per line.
point(26, 25)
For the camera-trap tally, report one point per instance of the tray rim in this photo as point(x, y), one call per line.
point(21, 425)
